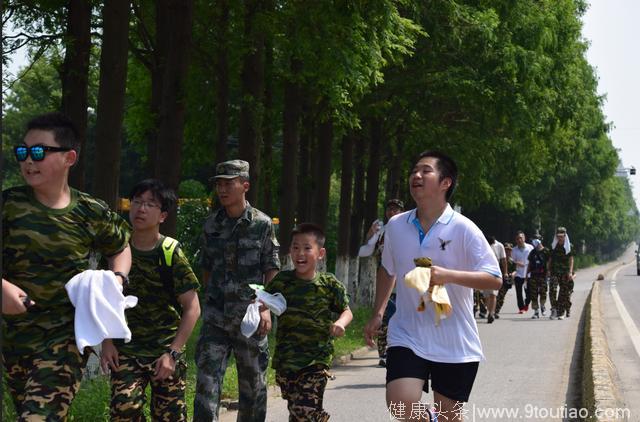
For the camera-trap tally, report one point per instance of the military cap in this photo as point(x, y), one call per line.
point(232, 169)
point(395, 203)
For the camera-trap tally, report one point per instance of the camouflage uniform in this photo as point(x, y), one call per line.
point(154, 323)
point(537, 284)
point(42, 249)
point(237, 252)
point(506, 285)
point(560, 276)
point(304, 347)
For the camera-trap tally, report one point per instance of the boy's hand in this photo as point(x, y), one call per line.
point(336, 330)
point(265, 322)
point(14, 299)
point(372, 329)
point(109, 357)
point(165, 367)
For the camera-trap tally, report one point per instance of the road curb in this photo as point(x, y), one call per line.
point(599, 392)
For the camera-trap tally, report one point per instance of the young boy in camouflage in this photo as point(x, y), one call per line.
point(48, 232)
point(304, 337)
point(163, 320)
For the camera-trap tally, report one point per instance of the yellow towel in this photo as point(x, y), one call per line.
point(419, 278)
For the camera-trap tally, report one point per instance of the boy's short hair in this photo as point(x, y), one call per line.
point(310, 228)
point(446, 167)
point(64, 131)
point(166, 196)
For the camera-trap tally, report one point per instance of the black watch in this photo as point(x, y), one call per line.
point(175, 355)
point(125, 278)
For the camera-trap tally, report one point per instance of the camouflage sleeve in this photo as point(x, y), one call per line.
point(269, 259)
point(183, 277)
point(112, 232)
point(205, 259)
point(340, 300)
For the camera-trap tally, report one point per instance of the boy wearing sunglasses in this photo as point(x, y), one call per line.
point(49, 230)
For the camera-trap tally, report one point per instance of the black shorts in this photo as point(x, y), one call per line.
point(452, 380)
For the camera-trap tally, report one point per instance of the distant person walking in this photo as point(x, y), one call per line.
point(561, 270)
point(537, 273)
point(507, 281)
point(520, 255)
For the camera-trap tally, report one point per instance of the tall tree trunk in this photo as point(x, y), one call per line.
point(373, 173)
point(268, 127)
point(75, 77)
point(222, 83)
point(251, 111)
point(344, 218)
point(304, 168)
point(290, 142)
point(111, 93)
point(158, 68)
point(320, 202)
point(394, 178)
point(357, 210)
point(172, 108)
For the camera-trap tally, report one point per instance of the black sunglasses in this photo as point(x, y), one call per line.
point(37, 152)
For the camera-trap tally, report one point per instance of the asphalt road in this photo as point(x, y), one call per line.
point(621, 312)
point(526, 374)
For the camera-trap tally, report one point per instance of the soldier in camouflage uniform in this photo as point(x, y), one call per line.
point(48, 232)
point(561, 270)
point(159, 330)
point(304, 338)
point(507, 281)
point(239, 248)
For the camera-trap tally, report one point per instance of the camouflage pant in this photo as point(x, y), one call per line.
point(304, 391)
point(564, 296)
point(537, 288)
point(252, 358)
point(566, 289)
point(478, 302)
point(506, 285)
point(44, 384)
point(128, 397)
point(384, 328)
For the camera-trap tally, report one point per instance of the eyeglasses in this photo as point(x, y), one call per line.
point(149, 205)
point(37, 152)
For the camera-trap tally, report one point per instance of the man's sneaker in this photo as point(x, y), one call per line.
point(536, 315)
point(382, 363)
point(526, 308)
point(490, 319)
point(496, 316)
point(482, 315)
point(560, 317)
point(567, 314)
point(542, 309)
point(553, 314)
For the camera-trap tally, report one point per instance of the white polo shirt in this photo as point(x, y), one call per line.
point(522, 256)
point(453, 242)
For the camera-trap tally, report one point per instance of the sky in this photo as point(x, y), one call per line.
point(612, 29)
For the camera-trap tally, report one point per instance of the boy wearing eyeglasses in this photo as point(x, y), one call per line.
point(48, 232)
point(163, 320)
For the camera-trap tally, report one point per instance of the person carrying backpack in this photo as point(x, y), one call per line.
point(163, 320)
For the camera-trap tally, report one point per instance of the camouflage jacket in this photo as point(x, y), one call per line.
point(42, 249)
point(236, 252)
point(302, 334)
point(560, 260)
point(154, 321)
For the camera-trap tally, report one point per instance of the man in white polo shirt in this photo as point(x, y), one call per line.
point(420, 350)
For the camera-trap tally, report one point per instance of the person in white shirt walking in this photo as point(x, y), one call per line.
point(520, 255)
point(448, 354)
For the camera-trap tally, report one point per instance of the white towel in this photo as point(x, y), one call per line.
point(251, 320)
point(100, 306)
point(567, 243)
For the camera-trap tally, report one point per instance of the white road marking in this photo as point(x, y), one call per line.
point(632, 329)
